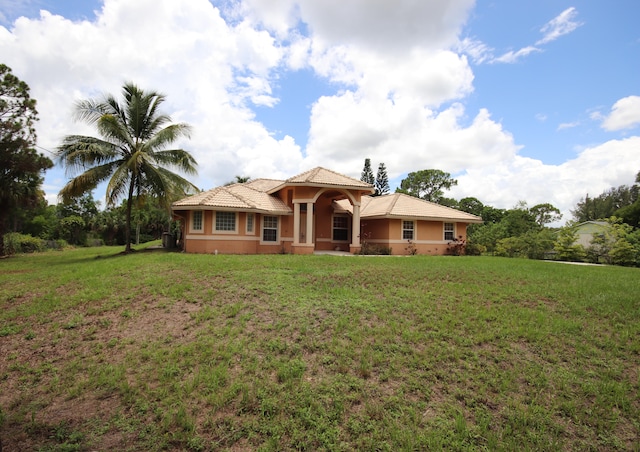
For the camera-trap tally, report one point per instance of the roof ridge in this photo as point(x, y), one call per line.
point(393, 203)
point(242, 198)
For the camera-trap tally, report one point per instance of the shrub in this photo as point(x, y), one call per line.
point(59, 244)
point(457, 247)
point(15, 243)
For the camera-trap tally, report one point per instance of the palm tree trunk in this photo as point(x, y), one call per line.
point(127, 227)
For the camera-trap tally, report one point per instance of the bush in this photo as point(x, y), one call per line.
point(475, 249)
point(15, 243)
point(59, 244)
point(377, 250)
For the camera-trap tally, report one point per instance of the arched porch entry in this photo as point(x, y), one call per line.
point(313, 218)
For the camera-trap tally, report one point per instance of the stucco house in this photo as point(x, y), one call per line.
point(318, 210)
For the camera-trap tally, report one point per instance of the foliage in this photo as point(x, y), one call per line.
point(367, 172)
point(15, 243)
point(533, 244)
point(382, 181)
point(411, 248)
point(21, 167)
point(457, 247)
point(619, 244)
point(427, 184)
point(544, 214)
point(566, 247)
point(608, 203)
point(368, 248)
point(131, 154)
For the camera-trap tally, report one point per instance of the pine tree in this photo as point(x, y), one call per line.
point(367, 173)
point(382, 181)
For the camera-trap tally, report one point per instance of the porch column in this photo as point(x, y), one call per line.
point(355, 227)
point(309, 237)
point(296, 223)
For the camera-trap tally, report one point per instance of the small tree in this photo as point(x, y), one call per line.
point(427, 184)
point(616, 245)
point(367, 173)
point(382, 181)
point(566, 247)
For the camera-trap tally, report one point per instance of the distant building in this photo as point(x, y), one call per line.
point(586, 231)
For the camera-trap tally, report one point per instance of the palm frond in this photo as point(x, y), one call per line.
point(86, 181)
point(165, 184)
point(77, 153)
point(177, 158)
point(118, 185)
point(169, 135)
point(112, 128)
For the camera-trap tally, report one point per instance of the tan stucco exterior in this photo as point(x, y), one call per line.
point(319, 210)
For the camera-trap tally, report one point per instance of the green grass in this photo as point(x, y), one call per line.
point(164, 351)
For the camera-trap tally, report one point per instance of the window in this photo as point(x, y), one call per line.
point(225, 221)
point(196, 220)
point(407, 230)
point(340, 228)
point(269, 229)
point(249, 223)
point(449, 233)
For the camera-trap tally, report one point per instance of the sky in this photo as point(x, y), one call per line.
point(535, 100)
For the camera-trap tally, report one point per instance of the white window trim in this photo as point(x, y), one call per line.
point(444, 231)
point(253, 223)
point(235, 225)
point(415, 230)
point(333, 239)
point(191, 221)
point(277, 240)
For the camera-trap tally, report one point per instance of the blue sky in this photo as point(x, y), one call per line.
point(535, 101)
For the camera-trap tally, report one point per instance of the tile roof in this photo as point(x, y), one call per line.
point(399, 205)
point(323, 177)
point(256, 195)
point(250, 196)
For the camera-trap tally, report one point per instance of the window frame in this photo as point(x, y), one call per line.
point(345, 228)
point(452, 231)
point(264, 228)
point(250, 227)
point(192, 223)
point(404, 229)
point(225, 231)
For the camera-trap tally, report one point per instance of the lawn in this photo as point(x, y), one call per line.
point(169, 351)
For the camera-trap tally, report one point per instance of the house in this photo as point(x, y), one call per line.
point(586, 231)
point(318, 210)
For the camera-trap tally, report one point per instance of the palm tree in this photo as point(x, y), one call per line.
point(131, 154)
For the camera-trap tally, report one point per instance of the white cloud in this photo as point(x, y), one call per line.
point(477, 50)
point(513, 56)
point(382, 25)
point(560, 25)
point(593, 171)
point(568, 125)
point(404, 134)
point(625, 114)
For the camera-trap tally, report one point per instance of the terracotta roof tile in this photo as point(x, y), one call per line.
point(399, 205)
point(236, 196)
point(323, 176)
